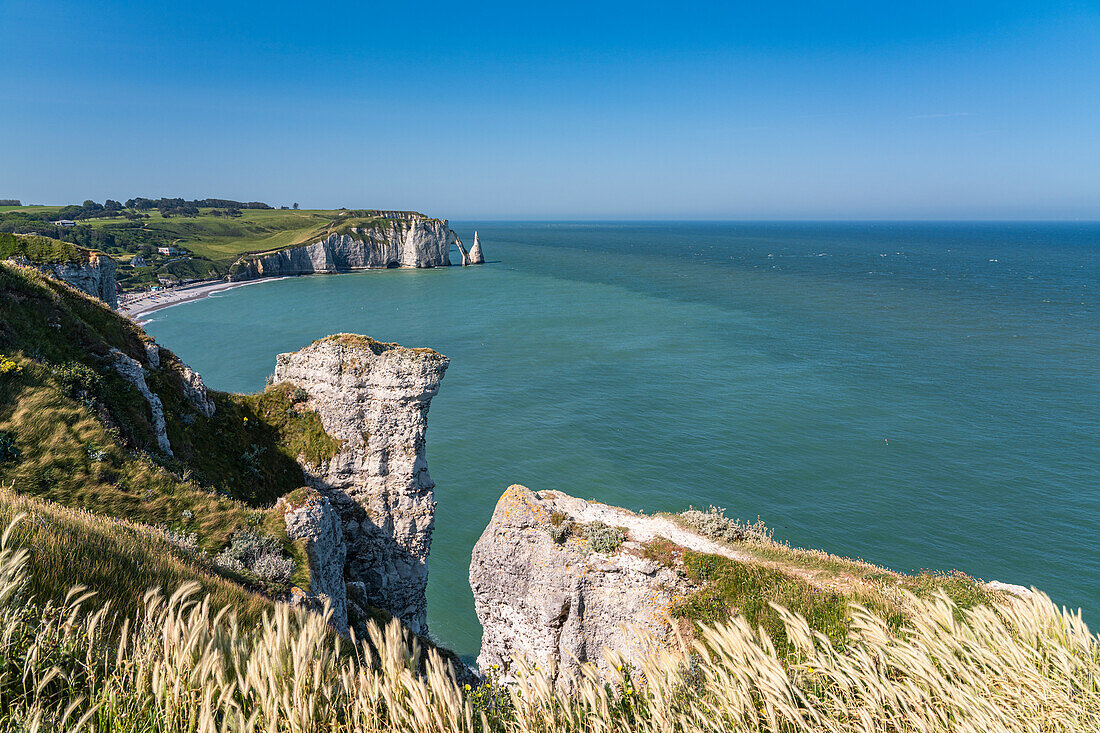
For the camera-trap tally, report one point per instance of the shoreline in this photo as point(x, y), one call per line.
point(154, 302)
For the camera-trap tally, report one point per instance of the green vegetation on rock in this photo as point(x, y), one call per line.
point(732, 588)
point(818, 586)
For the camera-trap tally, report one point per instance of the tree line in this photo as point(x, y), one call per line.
point(134, 208)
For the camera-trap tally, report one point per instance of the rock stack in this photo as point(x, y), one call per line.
point(374, 397)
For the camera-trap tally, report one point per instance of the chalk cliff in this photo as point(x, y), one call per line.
point(414, 241)
point(96, 276)
point(462, 251)
point(543, 593)
point(476, 258)
point(374, 397)
point(311, 518)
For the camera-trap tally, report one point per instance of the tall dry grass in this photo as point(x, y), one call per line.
point(185, 665)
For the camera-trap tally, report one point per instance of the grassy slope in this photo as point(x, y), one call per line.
point(1025, 667)
point(99, 494)
point(120, 560)
point(84, 437)
point(40, 249)
point(819, 586)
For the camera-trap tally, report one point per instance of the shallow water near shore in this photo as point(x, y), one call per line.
point(918, 395)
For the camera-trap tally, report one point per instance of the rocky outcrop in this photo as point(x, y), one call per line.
point(132, 371)
point(552, 589)
point(311, 518)
point(1012, 589)
point(542, 593)
point(152, 353)
point(374, 397)
point(96, 276)
point(194, 389)
point(414, 241)
point(476, 258)
point(462, 251)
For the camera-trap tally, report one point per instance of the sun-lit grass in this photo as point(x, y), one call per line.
point(183, 665)
point(728, 588)
point(118, 559)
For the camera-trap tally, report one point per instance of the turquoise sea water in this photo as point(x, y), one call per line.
point(919, 395)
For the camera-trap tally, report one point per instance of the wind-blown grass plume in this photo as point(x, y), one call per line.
point(186, 665)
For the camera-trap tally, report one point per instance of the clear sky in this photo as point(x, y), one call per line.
point(762, 110)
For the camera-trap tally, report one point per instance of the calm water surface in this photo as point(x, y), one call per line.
point(921, 396)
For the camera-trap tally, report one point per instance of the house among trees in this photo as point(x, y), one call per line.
point(166, 250)
point(65, 223)
point(137, 261)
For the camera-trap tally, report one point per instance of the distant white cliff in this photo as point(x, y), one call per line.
point(476, 258)
point(414, 241)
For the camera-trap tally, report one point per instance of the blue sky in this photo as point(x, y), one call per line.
point(594, 110)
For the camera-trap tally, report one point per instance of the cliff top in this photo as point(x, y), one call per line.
point(695, 566)
point(341, 222)
point(43, 250)
point(374, 346)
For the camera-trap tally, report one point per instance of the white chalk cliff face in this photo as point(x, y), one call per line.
point(476, 257)
point(191, 384)
point(96, 277)
point(411, 242)
point(462, 251)
point(548, 597)
point(374, 397)
point(312, 519)
point(559, 604)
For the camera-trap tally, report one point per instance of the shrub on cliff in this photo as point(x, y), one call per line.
point(560, 532)
point(78, 381)
point(602, 538)
point(715, 524)
point(8, 450)
point(261, 555)
point(561, 527)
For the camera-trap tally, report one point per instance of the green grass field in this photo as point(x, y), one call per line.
point(222, 239)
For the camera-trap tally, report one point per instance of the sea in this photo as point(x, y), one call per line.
point(918, 395)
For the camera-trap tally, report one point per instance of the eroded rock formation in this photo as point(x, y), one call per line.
point(558, 604)
point(544, 592)
point(374, 397)
point(96, 276)
point(476, 258)
point(462, 251)
point(131, 370)
point(194, 389)
point(310, 517)
point(413, 241)
point(191, 384)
